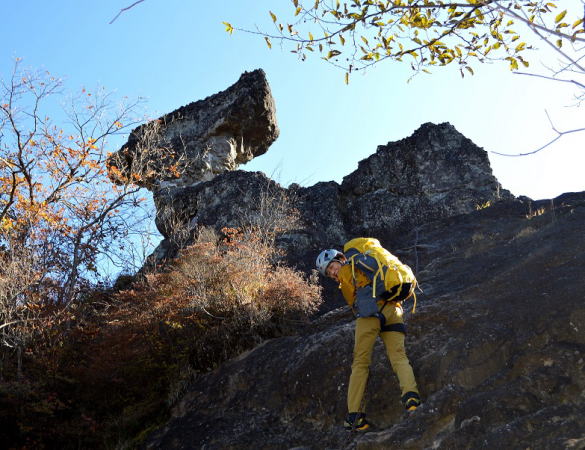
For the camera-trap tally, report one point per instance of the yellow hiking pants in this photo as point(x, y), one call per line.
point(367, 330)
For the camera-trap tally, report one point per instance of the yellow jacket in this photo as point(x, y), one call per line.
point(346, 284)
point(363, 284)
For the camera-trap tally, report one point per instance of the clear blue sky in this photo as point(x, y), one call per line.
point(174, 52)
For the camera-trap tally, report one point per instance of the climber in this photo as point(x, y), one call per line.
point(374, 283)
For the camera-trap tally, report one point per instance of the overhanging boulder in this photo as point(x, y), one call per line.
point(202, 139)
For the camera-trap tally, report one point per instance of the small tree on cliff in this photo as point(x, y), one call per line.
point(59, 212)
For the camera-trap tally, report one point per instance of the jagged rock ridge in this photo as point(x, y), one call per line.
point(434, 173)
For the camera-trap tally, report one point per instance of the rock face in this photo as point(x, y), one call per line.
point(434, 173)
point(202, 139)
point(498, 340)
point(497, 345)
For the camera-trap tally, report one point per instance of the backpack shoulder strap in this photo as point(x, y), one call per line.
point(368, 263)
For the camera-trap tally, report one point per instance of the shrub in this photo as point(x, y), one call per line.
point(120, 360)
point(225, 293)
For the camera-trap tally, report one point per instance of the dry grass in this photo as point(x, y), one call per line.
point(536, 213)
point(477, 237)
point(484, 205)
point(524, 232)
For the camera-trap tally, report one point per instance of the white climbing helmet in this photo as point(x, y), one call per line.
point(325, 257)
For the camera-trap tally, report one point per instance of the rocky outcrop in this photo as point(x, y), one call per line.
point(434, 173)
point(498, 340)
point(497, 345)
point(187, 158)
point(202, 139)
point(437, 172)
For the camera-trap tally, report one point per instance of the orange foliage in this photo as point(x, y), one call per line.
point(101, 365)
point(122, 359)
point(55, 195)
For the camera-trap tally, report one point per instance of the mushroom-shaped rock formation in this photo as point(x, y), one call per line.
point(202, 139)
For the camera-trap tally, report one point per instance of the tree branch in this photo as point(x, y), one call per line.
point(4, 325)
point(560, 134)
point(581, 85)
point(536, 29)
point(125, 9)
point(535, 26)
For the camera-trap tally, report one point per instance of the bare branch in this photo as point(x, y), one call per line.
point(575, 82)
point(560, 134)
point(125, 9)
point(4, 325)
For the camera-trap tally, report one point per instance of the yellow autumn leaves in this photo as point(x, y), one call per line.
point(356, 34)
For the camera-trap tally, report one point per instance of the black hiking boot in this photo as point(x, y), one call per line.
point(356, 422)
point(411, 401)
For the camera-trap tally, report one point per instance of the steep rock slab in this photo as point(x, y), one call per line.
point(202, 139)
point(497, 345)
point(227, 409)
point(500, 339)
